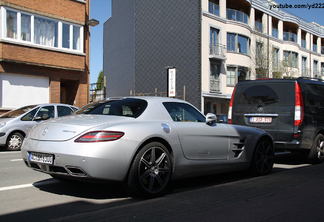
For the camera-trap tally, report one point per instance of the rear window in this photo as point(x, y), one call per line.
point(265, 93)
point(125, 107)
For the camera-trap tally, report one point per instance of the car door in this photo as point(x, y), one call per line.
point(198, 140)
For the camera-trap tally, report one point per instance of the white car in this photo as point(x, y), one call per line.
point(144, 142)
point(16, 123)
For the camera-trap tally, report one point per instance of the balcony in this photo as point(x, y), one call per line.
point(303, 43)
point(258, 26)
point(289, 36)
point(275, 33)
point(235, 15)
point(314, 47)
point(305, 72)
point(217, 51)
point(213, 9)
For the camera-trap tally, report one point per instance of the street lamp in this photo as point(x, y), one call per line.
point(92, 22)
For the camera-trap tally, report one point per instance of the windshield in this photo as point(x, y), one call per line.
point(125, 107)
point(17, 112)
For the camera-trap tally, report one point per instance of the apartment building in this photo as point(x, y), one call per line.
point(44, 52)
point(213, 44)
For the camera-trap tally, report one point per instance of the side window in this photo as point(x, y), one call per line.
point(46, 112)
point(182, 112)
point(29, 116)
point(63, 111)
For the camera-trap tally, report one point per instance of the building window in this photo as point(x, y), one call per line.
point(275, 59)
point(289, 36)
point(238, 43)
point(236, 74)
point(214, 77)
point(303, 40)
point(37, 30)
point(291, 59)
point(275, 32)
point(230, 76)
point(322, 68)
point(214, 7)
point(231, 42)
point(232, 14)
point(45, 32)
point(214, 44)
point(315, 69)
point(304, 67)
point(25, 27)
point(11, 24)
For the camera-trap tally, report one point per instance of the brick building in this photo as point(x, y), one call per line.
point(44, 52)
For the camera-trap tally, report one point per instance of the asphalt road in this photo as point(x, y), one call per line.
point(292, 192)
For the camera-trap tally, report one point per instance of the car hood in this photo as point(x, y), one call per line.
point(65, 128)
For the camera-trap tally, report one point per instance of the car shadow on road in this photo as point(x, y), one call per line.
point(82, 189)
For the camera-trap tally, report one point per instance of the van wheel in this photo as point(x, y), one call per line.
point(316, 154)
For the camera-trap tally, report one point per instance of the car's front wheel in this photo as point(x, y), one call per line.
point(151, 170)
point(14, 141)
point(263, 158)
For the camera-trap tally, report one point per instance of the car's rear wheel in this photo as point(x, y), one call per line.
point(316, 154)
point(263, 158)
point(150, 173)
point(14, 141)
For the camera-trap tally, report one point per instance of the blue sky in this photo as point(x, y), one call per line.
point(101, 10)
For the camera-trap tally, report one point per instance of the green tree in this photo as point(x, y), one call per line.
point(100, 81)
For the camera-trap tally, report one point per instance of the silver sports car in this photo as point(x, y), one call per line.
point(144, 142)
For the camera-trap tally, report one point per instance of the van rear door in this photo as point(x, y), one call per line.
point(266, 104)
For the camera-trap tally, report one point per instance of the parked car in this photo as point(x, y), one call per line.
point(222, 118)
point(291, 110)
point(144, 142)
point(16, 123)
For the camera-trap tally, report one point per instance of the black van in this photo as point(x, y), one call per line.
point(291, 110)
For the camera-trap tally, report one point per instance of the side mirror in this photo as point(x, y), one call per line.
point(210, 118)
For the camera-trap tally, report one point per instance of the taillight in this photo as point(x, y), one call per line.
point(230, 108)
point(299, 106)
point(99, 136)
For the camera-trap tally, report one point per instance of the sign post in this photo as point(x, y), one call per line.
point(171, 82)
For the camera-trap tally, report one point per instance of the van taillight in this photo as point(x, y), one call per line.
point(299, 106)
point(230, 108)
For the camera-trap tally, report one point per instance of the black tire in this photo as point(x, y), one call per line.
point(263, 158)
point(316, 154)
point(150, 172)
point(14, 141)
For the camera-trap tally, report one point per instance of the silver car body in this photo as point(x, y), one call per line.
point(196, 148)
point(24, 122)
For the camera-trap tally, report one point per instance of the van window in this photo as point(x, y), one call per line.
point(274, 94)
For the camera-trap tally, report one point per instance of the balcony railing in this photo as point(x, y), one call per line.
point(316, 73)
point(275, 32)
point(217, 50)
point(314, 47)
point(289, 36)
point(305, 72)
point(303, 43)
point(237, 15)
point(213, 8)
point(258, 26)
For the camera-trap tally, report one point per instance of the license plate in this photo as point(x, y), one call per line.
point(260, 120)
point(41, 158)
